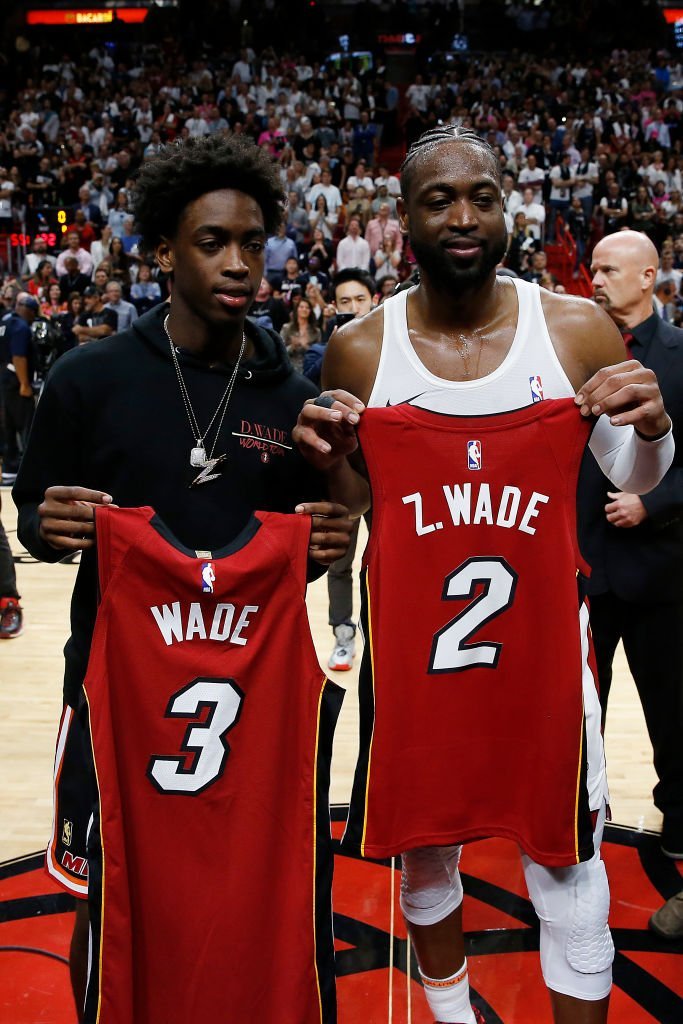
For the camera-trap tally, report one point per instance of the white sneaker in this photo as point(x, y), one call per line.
point(341, 659)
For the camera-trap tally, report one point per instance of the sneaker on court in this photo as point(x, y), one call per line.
point(668, 920)
point(11, 618)
point(7, 479)
point(341, 659)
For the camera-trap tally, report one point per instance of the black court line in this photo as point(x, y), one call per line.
point(36, 906)
point(21, 865)
point(36, 952)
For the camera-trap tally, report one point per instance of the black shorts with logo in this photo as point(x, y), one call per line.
point(66, 858)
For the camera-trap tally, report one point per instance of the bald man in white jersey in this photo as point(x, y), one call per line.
point(468, 343)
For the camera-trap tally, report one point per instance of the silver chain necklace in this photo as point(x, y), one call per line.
point(198, 456)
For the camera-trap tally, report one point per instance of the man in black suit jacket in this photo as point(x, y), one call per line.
point(635, 544)
point(92, 212)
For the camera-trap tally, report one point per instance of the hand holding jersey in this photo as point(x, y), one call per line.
point(67, 516)
point(629, 394)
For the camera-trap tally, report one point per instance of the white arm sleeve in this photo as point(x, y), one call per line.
point(631, 463)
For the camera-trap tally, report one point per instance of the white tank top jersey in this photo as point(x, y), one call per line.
point(529, 373)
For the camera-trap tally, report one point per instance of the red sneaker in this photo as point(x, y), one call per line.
point(11, 618)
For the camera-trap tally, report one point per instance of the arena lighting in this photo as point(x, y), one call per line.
point(673, 14)
point(87, 16)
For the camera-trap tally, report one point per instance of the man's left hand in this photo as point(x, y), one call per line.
point(625, 510)
point(629, 394)
point(330, 530)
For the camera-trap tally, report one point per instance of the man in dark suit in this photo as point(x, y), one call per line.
point(91, 210)
point(635, 544)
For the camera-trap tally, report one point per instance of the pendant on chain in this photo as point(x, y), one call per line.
point(198, 457)
point(208, 472)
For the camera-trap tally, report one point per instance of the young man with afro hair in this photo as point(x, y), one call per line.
point(114, 425)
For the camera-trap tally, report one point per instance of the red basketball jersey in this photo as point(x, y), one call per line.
point(211, 726)
point(472, 719)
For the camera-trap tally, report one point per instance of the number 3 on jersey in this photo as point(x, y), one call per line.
point(450, 650)
point(204, 744)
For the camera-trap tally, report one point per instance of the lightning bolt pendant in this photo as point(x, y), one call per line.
point(207, 474)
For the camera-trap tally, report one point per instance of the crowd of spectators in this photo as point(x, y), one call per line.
point(597, 143)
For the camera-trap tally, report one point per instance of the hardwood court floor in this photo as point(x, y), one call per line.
point(502, 933)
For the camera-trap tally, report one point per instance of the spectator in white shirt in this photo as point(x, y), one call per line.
point(534, 213)
point(532, 177)
point(657, 130)
point(512, 200)
point(326, 188)
point(667, 271)
point(586, 177)
point(196, 125)
point(361, 177)
point(417, 94)
point(353, 250)
point(100, 247)
point(390, 180)
point(73, 248)
point(32, 259)
point(319, 217)
point(6, 190)
point(562, 183)
point(242, 68)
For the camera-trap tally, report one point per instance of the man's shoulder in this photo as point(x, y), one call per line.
point(17, 332)
point(565, 313)
point(668, 334)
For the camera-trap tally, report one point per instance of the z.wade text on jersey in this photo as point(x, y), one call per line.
point(471, 504)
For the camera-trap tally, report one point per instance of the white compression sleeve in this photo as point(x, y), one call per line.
point(631, 463)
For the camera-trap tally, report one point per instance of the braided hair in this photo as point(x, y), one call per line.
point(434, 137)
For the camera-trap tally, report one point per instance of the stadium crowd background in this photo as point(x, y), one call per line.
point(596, 139)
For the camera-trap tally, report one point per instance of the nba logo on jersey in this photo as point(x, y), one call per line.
point(474, 454)
point(536, 385)
point(208, 577)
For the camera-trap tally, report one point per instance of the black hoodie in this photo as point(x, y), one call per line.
point(111, 417)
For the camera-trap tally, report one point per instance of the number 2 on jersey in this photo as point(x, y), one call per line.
point(204, 745)
point(450, 650)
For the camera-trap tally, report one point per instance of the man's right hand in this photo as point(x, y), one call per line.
point(325, 431)
point(67, 516)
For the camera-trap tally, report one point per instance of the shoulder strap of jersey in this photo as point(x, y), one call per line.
point(568, 433)
point(290, 534)
point(116, 529)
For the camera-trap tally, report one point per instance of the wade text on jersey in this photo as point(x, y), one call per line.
point(224, 621)
point(472, 504)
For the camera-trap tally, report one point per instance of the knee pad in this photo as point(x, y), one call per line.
point(430, 883)
point(576, 945)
